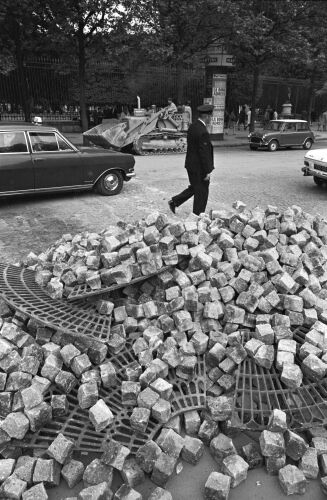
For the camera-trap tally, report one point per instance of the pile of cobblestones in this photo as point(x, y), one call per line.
point(234, 275)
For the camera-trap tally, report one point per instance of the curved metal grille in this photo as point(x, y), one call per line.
point(19, 290)
point(84, 291)
point(259, 391)
point(77, 426)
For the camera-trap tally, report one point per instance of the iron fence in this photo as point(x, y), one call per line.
point(52, 88)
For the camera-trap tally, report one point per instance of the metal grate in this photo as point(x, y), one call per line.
point(19, 290)
point(76, 425)
point(84, 291)
point(259, 391)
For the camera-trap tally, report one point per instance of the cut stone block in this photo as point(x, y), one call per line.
point(39, 416)
point(217, 486)
point(295, 445)
point(139, 419)
point(309, 464)
point(100, 415)
point(161, 411)
point(265, 356)
point(72, 472)
point(208, 430)
point(220, 408)
point(12, 487)
point(160, 494)
point(221, 447)
point(147, 454)
point(320, 444)
point(47, 472)
point(235, 467)
point(291, 375)
point(252, 455)
point(132, 473)
point(313, 367)
point(87, 394)
point(37, 492)
point(274, 464)
point(277, 421)
point(126, 492)
point(99, 491)
point(114, 454)
point(192, 450)
point(272, 444)
point(97, 472)
point(6, 468)
point(24, 468)
point(163, 468)
point(170, 442)
point(292, 480)
point(15, 425)
point(61, 449)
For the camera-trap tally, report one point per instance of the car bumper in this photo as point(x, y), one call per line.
point(258, 144)
point(130, 174)
point(308, 171)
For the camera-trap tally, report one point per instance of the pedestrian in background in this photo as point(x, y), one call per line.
point(275, 115)
point(242, 118)
point(171, 108)
point(198, 163)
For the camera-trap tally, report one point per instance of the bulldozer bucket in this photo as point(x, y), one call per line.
point(107, 136)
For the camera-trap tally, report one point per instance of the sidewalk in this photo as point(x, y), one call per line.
point(231, 139)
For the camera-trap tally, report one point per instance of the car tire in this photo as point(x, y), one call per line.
point(253, 148)
point(307, 144)
point(273, 146)
point(110, 183)
point(318, 181)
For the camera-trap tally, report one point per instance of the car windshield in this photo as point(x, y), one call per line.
point(274, 126)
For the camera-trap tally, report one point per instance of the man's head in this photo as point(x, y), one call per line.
point(169, 100)
point(205, 112)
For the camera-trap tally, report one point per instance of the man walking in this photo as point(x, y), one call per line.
point(198, 163)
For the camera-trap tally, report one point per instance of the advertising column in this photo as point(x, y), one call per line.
point(219, 82)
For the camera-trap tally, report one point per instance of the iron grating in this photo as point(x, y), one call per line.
point(187, 395)
point(84, 291)
point(19, 290)
point(259, 391)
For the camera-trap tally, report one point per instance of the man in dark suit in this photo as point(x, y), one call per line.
point(198, 163)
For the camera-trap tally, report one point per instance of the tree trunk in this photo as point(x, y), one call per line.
point(23, 85)
point(81, 77)
point(256, 74)
point(311, 95)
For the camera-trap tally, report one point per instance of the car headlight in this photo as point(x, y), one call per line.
point(249, 136)
point(263, 137)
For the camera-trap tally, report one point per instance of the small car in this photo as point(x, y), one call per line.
point(315, 164)
point(38, 159)
point(282, 134)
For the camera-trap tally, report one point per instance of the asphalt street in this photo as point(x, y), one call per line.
point(254, 177)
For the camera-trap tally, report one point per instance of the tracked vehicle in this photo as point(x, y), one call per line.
point(157, 133)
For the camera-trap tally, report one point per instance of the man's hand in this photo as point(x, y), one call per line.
point(207, 177)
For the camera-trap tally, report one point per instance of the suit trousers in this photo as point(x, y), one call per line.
point(198, 188)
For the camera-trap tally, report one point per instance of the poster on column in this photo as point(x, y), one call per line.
point(219, 82)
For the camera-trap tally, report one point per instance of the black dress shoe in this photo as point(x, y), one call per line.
point(172, 206)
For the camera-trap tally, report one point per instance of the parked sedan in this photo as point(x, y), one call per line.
point(282, 134)
point(36, 159)
point(315, 164)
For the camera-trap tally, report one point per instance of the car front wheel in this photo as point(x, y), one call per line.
point(318, 181)
point(110, 183)
point(273, 146)
point(307, 144)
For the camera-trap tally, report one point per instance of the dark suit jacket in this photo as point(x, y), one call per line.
point(199, 156)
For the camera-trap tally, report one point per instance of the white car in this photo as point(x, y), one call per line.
point(315, 164)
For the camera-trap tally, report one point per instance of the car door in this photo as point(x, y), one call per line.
point(288, 135)
point(56, 163)
point(16, 167)
point(302, 132)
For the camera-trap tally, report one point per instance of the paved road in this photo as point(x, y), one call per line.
point(255, 177)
